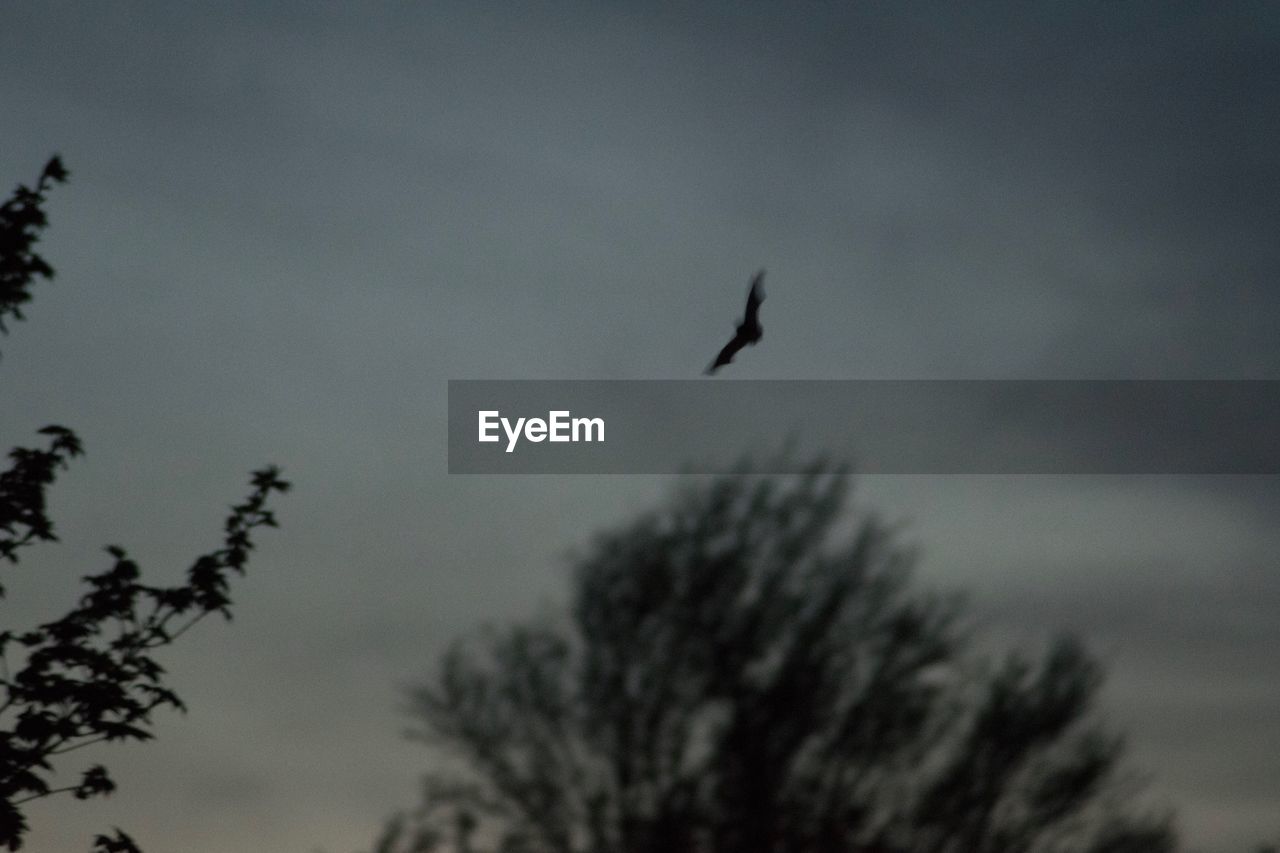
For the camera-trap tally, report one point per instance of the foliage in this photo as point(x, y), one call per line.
point(735, 675)
point(90, 675)
point(21, 220)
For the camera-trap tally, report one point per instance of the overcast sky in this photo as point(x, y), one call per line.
point(288, 226)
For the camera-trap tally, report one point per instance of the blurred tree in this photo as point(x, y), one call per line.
point(89, 675)
point(734, 674)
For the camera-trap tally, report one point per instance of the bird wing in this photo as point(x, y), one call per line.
point(754, 298)
point(727, 353)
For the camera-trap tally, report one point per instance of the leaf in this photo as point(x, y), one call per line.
point(54, 170)
point(121, 843)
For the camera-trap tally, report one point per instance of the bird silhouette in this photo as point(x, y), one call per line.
point(749, 330)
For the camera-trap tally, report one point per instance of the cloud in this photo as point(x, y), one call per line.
point(286, 231)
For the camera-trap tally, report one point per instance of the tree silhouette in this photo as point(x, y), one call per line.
point(21, 220)
point(89, 675)
point(734, 674)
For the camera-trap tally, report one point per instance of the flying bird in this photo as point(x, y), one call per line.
point(749, 330)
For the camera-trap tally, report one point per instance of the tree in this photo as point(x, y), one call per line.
point(735, 675)
point(89, 675)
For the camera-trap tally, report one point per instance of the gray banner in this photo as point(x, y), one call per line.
point(881, 426)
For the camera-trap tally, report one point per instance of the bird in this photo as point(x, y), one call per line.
point(749, 331)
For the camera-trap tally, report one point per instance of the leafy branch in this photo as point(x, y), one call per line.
point(89, 676)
